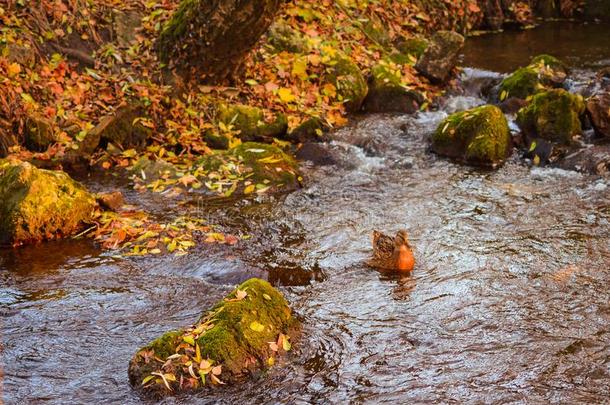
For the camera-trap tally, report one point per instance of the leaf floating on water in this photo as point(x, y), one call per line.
point(257, 327)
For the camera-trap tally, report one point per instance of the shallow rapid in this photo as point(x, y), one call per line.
point(509, 301)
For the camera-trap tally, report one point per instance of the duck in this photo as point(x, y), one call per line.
point(392, 253)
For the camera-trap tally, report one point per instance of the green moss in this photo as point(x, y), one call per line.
point(283, 38)
point(376, 31)
point(543, 72)
point(347, 78)
point(552, 115)
point(408, 50)
point(478, 136)
point(387, 92)
point(250, 122)
point(310, 130)
point(522, 83)
point(38, 205)
point(235, 334)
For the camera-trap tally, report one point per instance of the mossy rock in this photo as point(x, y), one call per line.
point(441, 56)
point(261, 165)
point(251, 123)
point(409, 50)
point(310, 130)
point(479, 136)
point(553, 115)
point(235, 334)
point(283, 38)
point(39, 134)
point(376, 31)
point(123, 128)
point(543, 72)
point(388, 94)
point(37, 205)
point(349, 81)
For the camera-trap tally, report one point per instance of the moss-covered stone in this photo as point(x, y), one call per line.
point(235, 335)
point(123, 128)
point(37, 205)
point(440, 57)
point(409, 50)
point(310, 130)
point(283, 38)
point(38, 134)
point(543, 72)
point(376, 31)
point(251, 123)
point(552, 115)
point(349, 81)
point(479, 136)
point(388, 94)
point(261, 165)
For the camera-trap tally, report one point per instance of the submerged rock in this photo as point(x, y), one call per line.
point(543, 72)
point(594, 159)
point(239, 336)
point(440, 56)
point(553, 116)
point(112, 201)
point(479, 136)
point(388, 94)
point(598, 110)
point(251, 122)
point(37, 205)
point(262, 166)
point(349, 82)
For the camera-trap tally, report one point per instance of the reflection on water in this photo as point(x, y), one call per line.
point(509, 301)
point(581, 46)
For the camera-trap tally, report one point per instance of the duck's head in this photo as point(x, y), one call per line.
point(401, 239)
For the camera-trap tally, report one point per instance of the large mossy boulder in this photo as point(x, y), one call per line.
point(553, 115)
point(37, 205)
point(409, 50)
point(349, 82)
point(388, 94)
point(261, 166)
point(252, 123)
point(543, 72)
point(440, 57)
point(239, 336)
point(479, 136)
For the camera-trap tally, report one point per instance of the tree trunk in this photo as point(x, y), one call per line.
point(207, 40)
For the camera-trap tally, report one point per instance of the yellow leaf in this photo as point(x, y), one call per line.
point(14, 69)
point(257, 327)
point(286, 95)
point(249, 189)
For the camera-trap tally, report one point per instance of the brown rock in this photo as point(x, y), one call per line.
point(111, 201)
point(598, 110)
point(440, 57)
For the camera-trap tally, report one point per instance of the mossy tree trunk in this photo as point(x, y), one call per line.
point(207, 40)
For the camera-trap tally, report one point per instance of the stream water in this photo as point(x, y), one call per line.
point(509, 301)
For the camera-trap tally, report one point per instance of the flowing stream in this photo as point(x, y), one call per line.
point(509, 301)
